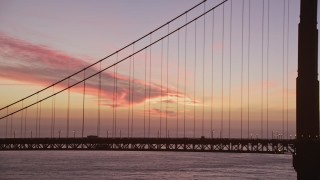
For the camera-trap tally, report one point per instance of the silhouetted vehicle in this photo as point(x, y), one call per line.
point(92, 136)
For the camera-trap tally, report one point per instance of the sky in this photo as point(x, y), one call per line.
point(42, 42)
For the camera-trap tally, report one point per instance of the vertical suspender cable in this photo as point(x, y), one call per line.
point(68, 110)
point(25, 123)
point(242, 31)
point(262, 68)
point(203, 64)
point(54, 113)
point(83, 100)
point(268, 67)
point(249, 28)
point(116, 103)
point(185, 79)
point(113, 101)
point(145, 92)
point(161, 91)
point(99, 103)
point(39, 119)
point(132, 91)
point(195, 75)
point(11, 126)
point(37, 115)
point(129, 97)
point(177, 94)
point(288, 18)
point(283, 66)
point(222, 72)
point(7, 122)
point(51, 114)
point(167, 80)
point(150, 88)
point(212, 65)
point(21, 119)
point(230, 68)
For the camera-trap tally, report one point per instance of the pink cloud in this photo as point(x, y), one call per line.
point(26, 62)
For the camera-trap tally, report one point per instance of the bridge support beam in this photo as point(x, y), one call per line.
point(306, 161)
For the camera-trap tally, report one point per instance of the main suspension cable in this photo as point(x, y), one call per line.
point(94, 74)
point(121, 49)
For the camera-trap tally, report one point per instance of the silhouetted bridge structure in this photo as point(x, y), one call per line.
point(215, 47)
point(270, 146)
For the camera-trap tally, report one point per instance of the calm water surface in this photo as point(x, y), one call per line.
point(142, 165)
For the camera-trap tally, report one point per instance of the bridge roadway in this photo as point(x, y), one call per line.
point(271, 146)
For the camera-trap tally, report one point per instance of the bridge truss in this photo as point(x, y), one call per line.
point(270, 146)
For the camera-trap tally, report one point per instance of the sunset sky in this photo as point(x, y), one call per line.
point(42, 42)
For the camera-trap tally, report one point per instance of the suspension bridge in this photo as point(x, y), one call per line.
point(203, 81)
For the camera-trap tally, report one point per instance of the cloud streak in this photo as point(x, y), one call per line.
point(40, 65)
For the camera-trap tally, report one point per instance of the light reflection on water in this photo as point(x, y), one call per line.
point(143, 165)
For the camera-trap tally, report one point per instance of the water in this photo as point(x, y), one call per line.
point(142, 165)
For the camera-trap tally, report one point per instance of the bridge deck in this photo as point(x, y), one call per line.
point(152, 144)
